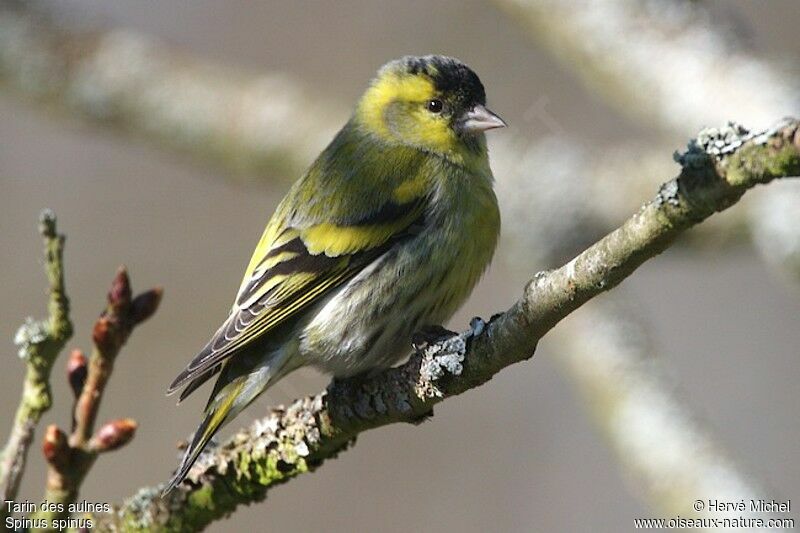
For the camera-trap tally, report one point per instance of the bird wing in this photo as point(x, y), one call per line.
point(298, 259)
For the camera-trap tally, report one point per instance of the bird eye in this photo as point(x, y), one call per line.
point(435, 106)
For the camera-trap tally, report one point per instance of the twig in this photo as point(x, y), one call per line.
point(717, 169)
point(71, 457)
point(39, 343)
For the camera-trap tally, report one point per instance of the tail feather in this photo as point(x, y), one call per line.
point(197, 382)
point(215, 418)
point(235, 389)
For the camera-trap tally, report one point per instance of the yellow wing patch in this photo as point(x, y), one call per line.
point(292, 267)
point(276, 290)
point(334, 240)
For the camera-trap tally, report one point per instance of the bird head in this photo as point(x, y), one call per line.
point(433, 103)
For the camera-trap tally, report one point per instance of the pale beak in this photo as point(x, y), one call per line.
point(480, 119)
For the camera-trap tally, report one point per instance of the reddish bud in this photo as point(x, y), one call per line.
point(145, 304)
point(76, 371)
point(119, 295)
point(103, 334)
point(55, 444)
point(114, 434)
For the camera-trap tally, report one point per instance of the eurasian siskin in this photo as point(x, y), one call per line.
point(388, 231)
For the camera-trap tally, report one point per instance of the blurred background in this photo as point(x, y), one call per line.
point(711, 326)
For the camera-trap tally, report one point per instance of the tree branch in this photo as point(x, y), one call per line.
point(717, 168)
point(39, 343)
point(612, 47)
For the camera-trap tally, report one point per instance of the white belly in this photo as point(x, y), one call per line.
point(365, 326)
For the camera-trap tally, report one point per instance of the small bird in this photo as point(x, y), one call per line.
point(386, 233)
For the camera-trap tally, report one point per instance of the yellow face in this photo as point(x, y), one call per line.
point(402, 107)
point(405, 105)
point(433, 103)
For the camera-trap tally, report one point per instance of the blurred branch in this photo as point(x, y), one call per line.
point(668, 63)
point(603, 350)
point(263, 124)
point(671, 455)
point(665, 61)
point(39, 343)
point(70, 458)
point(716, 171)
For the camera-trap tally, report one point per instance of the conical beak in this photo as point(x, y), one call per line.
point(480, 119)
